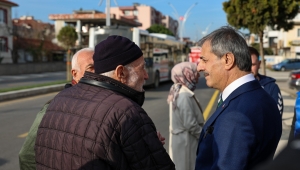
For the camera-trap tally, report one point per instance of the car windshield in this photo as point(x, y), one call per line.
point(285, 61)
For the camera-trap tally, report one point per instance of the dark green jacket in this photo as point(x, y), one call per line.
point(27, 154)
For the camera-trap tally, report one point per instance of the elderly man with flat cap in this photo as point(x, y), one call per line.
point(99, 123)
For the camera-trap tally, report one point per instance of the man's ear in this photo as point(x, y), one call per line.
point(74, 73)
point(229, 61)
point(121, 74)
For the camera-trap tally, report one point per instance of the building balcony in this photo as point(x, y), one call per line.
point(131, 17)
point(127, 8)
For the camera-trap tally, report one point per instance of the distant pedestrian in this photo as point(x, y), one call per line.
point(82, 61)
point(246, 126)
point(185, 113)
point(100, 122)
point(267, 83)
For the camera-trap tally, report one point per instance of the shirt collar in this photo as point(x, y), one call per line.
point(235, 84)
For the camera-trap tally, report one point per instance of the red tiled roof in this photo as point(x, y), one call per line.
point(35, 24)
point(9, 2)
point(26, 43)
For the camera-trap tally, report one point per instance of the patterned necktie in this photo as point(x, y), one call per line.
point(220, 101)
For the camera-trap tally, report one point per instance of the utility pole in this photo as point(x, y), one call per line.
point(69, 65)
point(182, 19)
point(107, 10)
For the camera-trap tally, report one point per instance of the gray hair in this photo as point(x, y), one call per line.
point(226, 39)
point(75, 64)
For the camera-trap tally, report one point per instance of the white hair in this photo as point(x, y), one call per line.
point(75, 64)
point(133, 77)
point(110, 73)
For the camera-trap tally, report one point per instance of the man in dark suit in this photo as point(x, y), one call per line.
point(246, 127)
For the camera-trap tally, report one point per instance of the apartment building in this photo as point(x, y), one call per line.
point(283, 43)
point(34, 35)
point(292, 39)
point(6, 28)
point(82, 20)
point(146, 15)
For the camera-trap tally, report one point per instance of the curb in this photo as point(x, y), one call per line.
point(30, 92)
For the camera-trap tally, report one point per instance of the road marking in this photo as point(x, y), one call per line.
point(23, 135)
point(210, 104)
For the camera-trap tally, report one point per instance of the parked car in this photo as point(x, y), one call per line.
point(287, 64)
point(294, 82)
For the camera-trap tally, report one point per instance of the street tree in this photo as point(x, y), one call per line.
point(68, 36)
point(256, 15)
point(156, 28)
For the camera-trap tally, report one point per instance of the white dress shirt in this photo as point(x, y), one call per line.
point(235, 84)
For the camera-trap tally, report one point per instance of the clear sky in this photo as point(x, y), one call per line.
point(205, 13)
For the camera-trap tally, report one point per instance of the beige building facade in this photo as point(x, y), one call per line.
point(6, 31)
point(292, 39)
point(146, 15)
point(83, 20)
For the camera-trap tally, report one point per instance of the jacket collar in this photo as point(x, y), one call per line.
point(114, 85)
point(249, 86)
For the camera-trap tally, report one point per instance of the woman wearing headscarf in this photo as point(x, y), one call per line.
point(186, 119)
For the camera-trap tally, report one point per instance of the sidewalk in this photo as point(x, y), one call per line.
point(289, 97)
point(287, 118)
point(13, 81)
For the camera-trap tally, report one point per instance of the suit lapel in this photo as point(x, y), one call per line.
point(249, 86)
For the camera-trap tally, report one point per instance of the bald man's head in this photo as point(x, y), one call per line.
point(82, 61)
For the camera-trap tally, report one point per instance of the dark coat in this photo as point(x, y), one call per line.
point(98, 124)
point(287, 159)
point(268, 83)
point(243, 132)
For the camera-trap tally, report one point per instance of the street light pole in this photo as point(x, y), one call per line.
point(107, 10)
point(182, 19)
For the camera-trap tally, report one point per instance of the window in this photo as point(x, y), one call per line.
point(3, 44)
point(135, 12)
point(126, 13)
point(3, 15)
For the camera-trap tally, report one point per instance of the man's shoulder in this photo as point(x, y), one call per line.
point(248, 96)
point(266, 80)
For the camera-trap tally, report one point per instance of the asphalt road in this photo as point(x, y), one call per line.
point(16, 117)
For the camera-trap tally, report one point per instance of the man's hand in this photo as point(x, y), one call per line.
point(161, 138)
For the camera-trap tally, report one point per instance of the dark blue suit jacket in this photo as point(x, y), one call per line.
point(243, 131)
